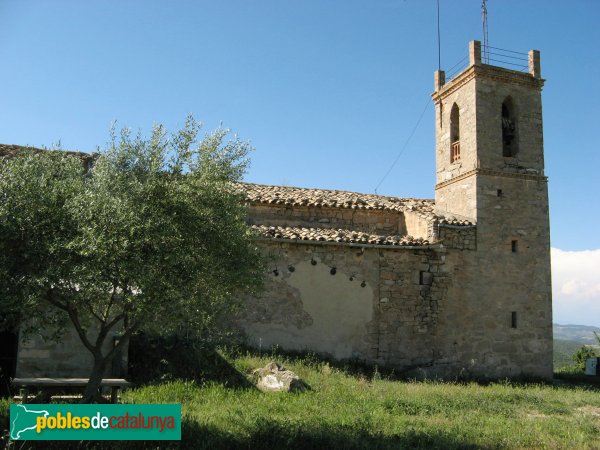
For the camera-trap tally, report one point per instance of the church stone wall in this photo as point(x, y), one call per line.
point(494, 86)
point(457, 237)
point(417, 226)
point(381, 222)
point(392, 320)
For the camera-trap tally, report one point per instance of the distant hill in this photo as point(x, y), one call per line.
point(570, 338)
point(563, 352)
point(579, 333)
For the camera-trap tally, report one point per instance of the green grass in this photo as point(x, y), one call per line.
point(350, 409)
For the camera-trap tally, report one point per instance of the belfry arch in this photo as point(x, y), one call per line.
point(510, 142)
point(454, 133)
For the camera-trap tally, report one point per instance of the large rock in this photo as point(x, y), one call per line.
point(276, 378)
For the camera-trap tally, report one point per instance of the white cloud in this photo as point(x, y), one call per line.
point(576, 286)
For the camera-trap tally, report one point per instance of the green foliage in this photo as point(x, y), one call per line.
point(153, 237)
point(563, 352)
point(581, 356)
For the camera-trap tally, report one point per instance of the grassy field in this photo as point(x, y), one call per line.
point(349, 408)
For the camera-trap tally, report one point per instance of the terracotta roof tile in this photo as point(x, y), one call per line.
point(295, 196)
point(334, 235)
point(11, 150)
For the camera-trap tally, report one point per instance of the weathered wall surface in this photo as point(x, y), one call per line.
point(392, 320)
point(67, 358)
point(457, 237)
point(311, 309)
point(494, 86)
point(413, 293)
point(517, 279)
point(416, 225)
point(504, 323)
point(381, 222)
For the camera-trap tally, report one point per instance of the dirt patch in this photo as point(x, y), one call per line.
point(536, 415)
point(591, 410)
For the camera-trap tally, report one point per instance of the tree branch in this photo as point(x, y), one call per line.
point(124, 338)
point(106, 328)
point(50, 298)
point(100, 319)
point(110, 303)
point(80, 331)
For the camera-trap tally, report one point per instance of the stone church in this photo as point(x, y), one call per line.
point(459, 285)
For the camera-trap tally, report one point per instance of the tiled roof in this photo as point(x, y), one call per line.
point(334, 235)
point(11, 150)
point(294, 196)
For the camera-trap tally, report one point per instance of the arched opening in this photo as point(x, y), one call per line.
point(509, 129)
point(454, 134)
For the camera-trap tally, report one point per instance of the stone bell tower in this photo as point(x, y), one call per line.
point(490, 170)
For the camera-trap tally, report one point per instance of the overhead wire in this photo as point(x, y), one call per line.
point(404, 146)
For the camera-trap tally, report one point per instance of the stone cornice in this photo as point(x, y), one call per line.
point(489, 72)
point(509, 76)
point(435, 246)
point(459, 81)
point(496, 173)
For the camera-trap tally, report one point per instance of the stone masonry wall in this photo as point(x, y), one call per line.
point(381, 222)
point(381, 306)
point(457, 237)
point(413, 293)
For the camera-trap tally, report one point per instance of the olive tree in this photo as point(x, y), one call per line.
point(152, 237)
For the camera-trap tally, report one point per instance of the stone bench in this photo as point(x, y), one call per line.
point(27, 383)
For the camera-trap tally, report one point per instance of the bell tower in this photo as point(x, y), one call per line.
point(488, 122)
point(490, 170)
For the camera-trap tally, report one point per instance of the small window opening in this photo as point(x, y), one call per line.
point(454, 134)
point(513, 246)
point(509, 129)
point(499, 192)
point(425, 278)
point(513, 319)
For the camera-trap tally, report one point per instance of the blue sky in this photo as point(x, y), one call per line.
point(327, 91)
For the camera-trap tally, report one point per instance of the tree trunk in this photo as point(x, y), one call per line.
point(91, 393)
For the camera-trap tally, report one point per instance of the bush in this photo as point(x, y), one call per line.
point(581, 356)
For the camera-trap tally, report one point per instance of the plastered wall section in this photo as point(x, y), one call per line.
point(311, 309)
point(392, 320)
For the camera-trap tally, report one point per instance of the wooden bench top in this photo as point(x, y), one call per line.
point(66, 382)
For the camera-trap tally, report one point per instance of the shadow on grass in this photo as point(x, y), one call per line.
point(363, 369)
point(577, 381)
point(155, 359)
point(271, 435)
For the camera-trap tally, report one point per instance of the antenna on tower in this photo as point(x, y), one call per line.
point(438, 33)
point(486, 56)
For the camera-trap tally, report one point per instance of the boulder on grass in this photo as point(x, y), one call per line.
point(276, 378)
